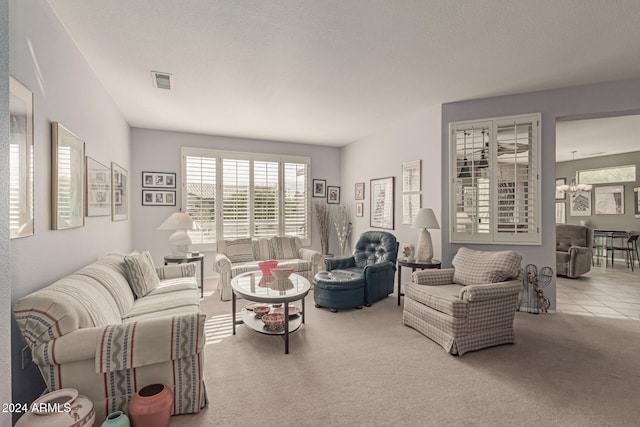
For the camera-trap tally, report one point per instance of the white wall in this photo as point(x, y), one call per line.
point(573, 102)
point(159, 151)
point(5, 284)
point(46, 60)
point(381, 155)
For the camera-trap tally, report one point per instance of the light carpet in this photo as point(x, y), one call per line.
point(364, 367)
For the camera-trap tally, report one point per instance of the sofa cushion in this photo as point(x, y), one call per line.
point(159, 303)
point(444, 298)
point(114, 281)
point(285, 247)
point(481, 267)
point(141, 273)
point(297, 264)
point(173, 285)
point(240, 250)
point(263, 249)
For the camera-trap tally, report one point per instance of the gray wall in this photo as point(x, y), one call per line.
point(159, 151)
point(626, 222)
point(573, 102)
point(5, 284)
point(46, 61)
point(380, 155)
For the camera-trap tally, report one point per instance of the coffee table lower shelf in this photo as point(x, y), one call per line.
point(249, 318)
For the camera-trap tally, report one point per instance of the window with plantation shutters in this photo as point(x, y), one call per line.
point(296, 200)
point(258, 195)
point(199, 195)
point(495, 177)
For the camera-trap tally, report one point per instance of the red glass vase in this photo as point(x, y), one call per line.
point(151, 406)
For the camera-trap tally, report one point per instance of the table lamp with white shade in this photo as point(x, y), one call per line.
point(179, 241)
point(425, 219)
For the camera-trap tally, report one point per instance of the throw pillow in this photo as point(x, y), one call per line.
point(482, 267)
point(285, 247)
point(141, 273)
point(240, 250)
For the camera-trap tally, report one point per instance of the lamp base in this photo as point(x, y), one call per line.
point(179, 243)
point(424, 247)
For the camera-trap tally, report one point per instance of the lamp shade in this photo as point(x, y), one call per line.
point(425, 218)
point(177, 221)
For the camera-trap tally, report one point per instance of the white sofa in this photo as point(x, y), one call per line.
point(88, 331)
point(239, 256)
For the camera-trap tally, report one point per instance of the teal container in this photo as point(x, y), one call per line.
point(116, 419)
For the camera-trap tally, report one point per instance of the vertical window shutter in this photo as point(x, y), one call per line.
point(265, 198)
point(472, 157)
point(200, 197)
point(296, 200)
point(495, 191)
point(516, 180)
point(236, 179)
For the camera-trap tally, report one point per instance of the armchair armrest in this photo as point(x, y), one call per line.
point(580, 250)
point(134, 344)
point(490, 291)
point(335, 263)
point(175, 271)
point(433, 277)
point(221, 263)
point(381, 266)
point(310, 255)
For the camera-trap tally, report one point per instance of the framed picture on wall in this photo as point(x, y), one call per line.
point(158, 198)
point(382, 203)
point(360, 209)
point(158, 180)
point(610, 200)
point(359, 191)
point(580, 203)
point(560, 195)
point(119, 193)
point(561, 213)
point(67, 180)
point(319, 188)
point(333, 195)
point(98, 187)
point(636, 201)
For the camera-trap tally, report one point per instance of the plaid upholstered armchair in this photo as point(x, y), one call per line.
point(467, 307)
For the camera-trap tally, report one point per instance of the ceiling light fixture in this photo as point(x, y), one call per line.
point(162, 80)
point(573, 187)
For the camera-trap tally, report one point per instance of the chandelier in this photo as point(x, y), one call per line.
point(573, 187)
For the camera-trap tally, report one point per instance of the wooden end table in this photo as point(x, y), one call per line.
point(413, 264)
point(176, 259)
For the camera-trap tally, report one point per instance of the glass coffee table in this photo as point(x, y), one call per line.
point(254, 287)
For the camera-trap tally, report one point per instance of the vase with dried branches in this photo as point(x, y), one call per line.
point(341, 216)
point(322, 215)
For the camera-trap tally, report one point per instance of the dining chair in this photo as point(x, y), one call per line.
point(627, 243)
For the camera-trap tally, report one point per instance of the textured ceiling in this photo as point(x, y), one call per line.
point(334, 71)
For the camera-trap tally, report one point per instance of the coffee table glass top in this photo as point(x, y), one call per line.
point(254, 285)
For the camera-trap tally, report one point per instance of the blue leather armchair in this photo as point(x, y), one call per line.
point(374, 258)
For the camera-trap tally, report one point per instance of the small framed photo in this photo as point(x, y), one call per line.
point(359, 192)
point(333, 195)
point(158, 180)
point(360, 209)
point(319, 188)
point(158, 198)
point(560, 195)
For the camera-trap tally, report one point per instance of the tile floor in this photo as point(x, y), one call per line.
point(612, 292)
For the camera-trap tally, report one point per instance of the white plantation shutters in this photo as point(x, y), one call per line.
point(235, 198)
point(266, 212)
point(199, 195)
point(296, 200)
point(495, 192)
point(246, 195)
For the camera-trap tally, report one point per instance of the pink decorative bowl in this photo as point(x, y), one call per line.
point(273, 321)
point(261, 310)
point(266, 266)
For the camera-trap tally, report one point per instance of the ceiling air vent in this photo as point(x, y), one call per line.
point(161, 80)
